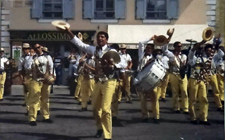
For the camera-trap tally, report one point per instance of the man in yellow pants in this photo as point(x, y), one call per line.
point(124, 55)
point(25, 71)
point(220, 68)
point(3, 61)
point(105, 82)
point(42, 78)
point(88, 81)
point(178, 83)
point(197, 86)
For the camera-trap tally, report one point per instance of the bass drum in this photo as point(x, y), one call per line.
point(150, 76)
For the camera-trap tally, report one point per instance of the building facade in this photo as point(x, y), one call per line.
point(126, 21)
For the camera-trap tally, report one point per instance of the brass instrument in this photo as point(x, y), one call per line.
point(207, 34)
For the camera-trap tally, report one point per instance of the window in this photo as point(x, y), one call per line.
point(104, 9)
point(52, 9)
point(156, 9)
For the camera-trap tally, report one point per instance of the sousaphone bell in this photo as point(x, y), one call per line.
point(207, 34)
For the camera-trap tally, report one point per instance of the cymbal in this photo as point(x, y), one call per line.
point(111, 55)
point(190, 40)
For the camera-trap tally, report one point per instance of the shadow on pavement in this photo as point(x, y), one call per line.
point(45, 136)
point(13, 121)
point(73, 116)
point(8, 112)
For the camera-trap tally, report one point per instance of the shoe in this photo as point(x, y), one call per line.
point(26, 114)
point(220, 109)
point(204, 123)
point(107, 139)
point(129, 102)
point(194, 122)
point(185, 112)
point(75, 98)
point(177, 111)
point(1, 99)
point(114, 118)
point(119, 102)
point(145, 120)
point(79, 103)
point(32, 123)
point(99, 133)
point(163, 100)
point(156, 121)
point(89, 102)
point(83, 109)
point(47, 121)
point(24, 104)
point(38, 112)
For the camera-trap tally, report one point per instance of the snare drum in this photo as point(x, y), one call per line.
point(150, 76)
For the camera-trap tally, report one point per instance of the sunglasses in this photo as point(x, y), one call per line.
point(38, 47)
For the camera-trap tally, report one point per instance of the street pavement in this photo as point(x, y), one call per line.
point(72, 124)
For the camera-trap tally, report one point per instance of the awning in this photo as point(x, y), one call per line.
point(132, 34)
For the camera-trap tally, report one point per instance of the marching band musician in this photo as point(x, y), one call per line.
point(88, 81)
point(165, 60)
point(127, 58)
point(121, 81)
point(145, 55)
point(105, 82)
point(42, 77)
point(197, 86)
point(3, 61)
point(177, 82)
point(220, 75)
point(25, 73)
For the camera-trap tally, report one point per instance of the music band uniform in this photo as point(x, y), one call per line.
point(87, 82)
point(178, 85)
point(103, 90)
point(198, 89)
point(3, 61)
point(42, 65)
point(220, 68)
point(154, 95)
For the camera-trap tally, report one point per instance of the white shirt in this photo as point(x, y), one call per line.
point(164, 60)
point(91, 49)
point(175, 60)
point(4, 60)
point(192, 59)
point(25, 62)
point(142, 58)
point(43, 59)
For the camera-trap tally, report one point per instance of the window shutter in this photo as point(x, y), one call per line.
point(36, 10)
point(140, 9)
point(120, 9)
point(172, 9)
point(68, 9)
point(88, 9)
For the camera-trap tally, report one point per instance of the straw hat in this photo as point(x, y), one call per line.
point(60, 24)
point(26, 46)
point(160, 40)
point(123, 46)
point(2, 49)
point(45, 49)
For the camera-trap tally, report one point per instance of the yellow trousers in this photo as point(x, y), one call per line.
point(86, 91)
point(2, 83)
point(220, 80)
point(78, 88)
point(197, 91)
point(164, 86)
point(38, 91)
point(115, 100)
point(214, 84)
point(26, 90)
point(154, 96)
point(101, 101)
point(179, 88)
